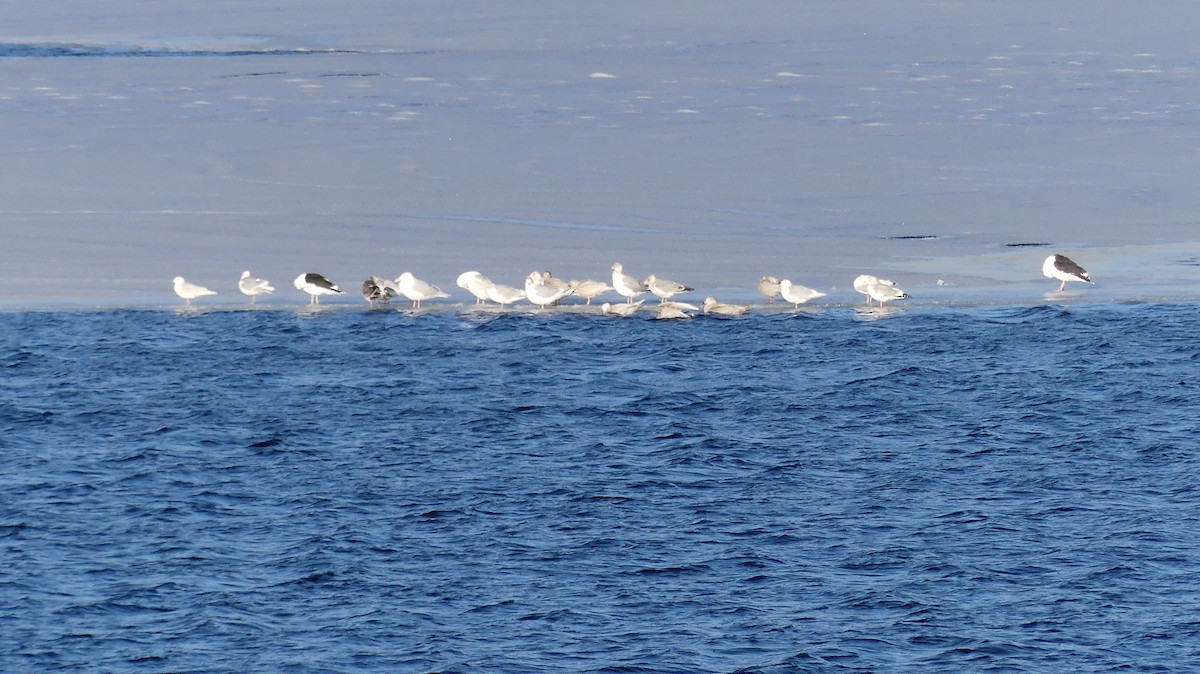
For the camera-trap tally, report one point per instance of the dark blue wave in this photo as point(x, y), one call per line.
point(941, 490)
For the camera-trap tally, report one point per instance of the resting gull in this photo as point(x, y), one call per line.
point(885, 292)
point(712, 306)
point(316, 285)
point(549, 281)
point(475, 283)
point(626, 285)
point(253, 287)
point(417, 290)
point(544, 294)
point(504, 295)
point(621, 309)
point(665, 289)
point(1063, 268)
point(864, 281)
point(797, 294)
point(589, 289)
point(189, 291)
point(376, 289)
point(667, 311)
point(769, 287)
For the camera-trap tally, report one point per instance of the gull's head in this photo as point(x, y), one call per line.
point(617, 266)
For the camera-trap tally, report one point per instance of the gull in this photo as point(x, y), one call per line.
point(625, 284)
point(885, 292)
point(666, 311)
point(769, 287)
point(475, 283)
point(682, 306)
point(549, 280)
point(621, 309)
point(1063, 268)
point(796, 293)
point(542, 294)
point(189, 291)
point(504, 295)
point(253, 286)
point(316, 285)
point(417, 290)
point(665, 289)
point(863, 281)
point(380, 290)
point(712, 306)
point(589, 289)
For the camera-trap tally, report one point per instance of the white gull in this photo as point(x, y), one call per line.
point(797, 294)
point(189, 291)
point(253, 287)
point(417, 290)
point(626, 285)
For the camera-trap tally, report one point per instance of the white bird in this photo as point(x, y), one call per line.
point(884, 292)
point(665, 289)
point(475, 283)
point(540, 293)
point(253, 286)
point(505, 295)
point(1063, 268)
point(549, 280)
point(589, 290)
point(712, 306)
point(796, 293)
point(417, 290)
point(863, 281)
point(189, 291)
point(682, 306)
point(621, 309)
point(768, 286)
point(376, 289)
point(316, 285)
point(666, 311)
point(626, 285)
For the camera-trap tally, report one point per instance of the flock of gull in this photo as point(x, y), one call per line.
point(543, 289)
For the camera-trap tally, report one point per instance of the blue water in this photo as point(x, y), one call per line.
point(931, 489)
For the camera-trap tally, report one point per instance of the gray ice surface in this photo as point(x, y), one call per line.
point(706, 142)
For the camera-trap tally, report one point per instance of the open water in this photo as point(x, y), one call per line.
point(925, 489)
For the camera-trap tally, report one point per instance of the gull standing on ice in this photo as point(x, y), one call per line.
point(549, 280)
point(768, 286)
point(625, 284)
point(864, 281)
point(504, 295)
point(885, 292)
point(712, 306)
point(189, 291)
point(316, 285)
point(376, 289)
point(417, 290)
point(796, 293)
point(253, 287)
point(665, 289)
point(475, 283)
point(1063, 268)
point(543, 294)
point(589, 289)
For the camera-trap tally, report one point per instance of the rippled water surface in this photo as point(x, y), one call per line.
point(929, 489)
